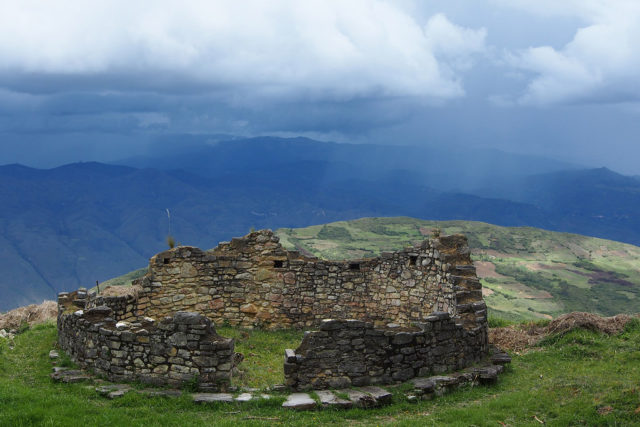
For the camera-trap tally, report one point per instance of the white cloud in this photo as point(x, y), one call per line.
point(600, 64)
point(320, 49)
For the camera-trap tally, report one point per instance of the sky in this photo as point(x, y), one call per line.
point(84, 81)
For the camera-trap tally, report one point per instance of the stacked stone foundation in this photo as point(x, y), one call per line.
point(345, 353)
point(253, 281)
point(178, 350)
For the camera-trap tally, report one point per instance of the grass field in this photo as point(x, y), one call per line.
point(582, 378)
point(527, 273)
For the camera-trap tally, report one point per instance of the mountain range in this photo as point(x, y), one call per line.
point(80, 223)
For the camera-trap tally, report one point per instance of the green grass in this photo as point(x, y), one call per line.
point(263, 354)
point(566, 381)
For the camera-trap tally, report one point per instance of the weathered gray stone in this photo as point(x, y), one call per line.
point(299, 401)
point(359, 398)
point(327, 398)
point(382, 396)
point(244, 397)
point(212, 397)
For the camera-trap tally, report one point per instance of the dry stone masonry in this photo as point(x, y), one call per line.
point(418, 311)
point(175, 351)
point(254, 281)
point(345, 353)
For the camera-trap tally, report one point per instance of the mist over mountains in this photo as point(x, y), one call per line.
point(80, 223)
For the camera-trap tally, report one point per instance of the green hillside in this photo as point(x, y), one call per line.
point(527, 272)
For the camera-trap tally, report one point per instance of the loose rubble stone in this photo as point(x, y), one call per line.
point(300, 402)
point(53, 354)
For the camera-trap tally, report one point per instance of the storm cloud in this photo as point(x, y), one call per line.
point(100, 80)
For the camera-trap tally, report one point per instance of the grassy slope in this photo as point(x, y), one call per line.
point(581, 379)
point(527, 272)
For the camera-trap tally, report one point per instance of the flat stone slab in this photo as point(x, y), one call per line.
point(118, 393)
point(382, 396)
point(360, 399)
point(327, 398)
point(162, 393)
point(500, 359)
point(212, 397)
point(113, 391)
point(300, 402)
point(70, 376)
point(425, 385)
point(244, 397)
point(53, 354)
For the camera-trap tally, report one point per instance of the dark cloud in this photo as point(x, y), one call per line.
point(102, 82)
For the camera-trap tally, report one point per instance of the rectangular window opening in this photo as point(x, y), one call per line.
point(413, 260)
point(278, 263)
point(354, 266)
point(165, 260)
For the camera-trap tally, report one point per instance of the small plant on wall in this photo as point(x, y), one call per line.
point(170, 240)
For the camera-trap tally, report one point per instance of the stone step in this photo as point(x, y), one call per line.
point(300, 402)
point(382, 396)
point(70, 376)
point(244, 397)
point(163, 393)
point(212, 397)
point(359, 398)
point(113, 391)
point(500, 359)
point(327, 398)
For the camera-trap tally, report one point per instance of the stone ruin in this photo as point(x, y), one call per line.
point(380, 320)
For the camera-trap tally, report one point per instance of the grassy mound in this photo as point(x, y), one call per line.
point(582, 377)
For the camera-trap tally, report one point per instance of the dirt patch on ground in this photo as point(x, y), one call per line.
point(520, 338)
point(486, 291)
point(536, 266)
point(486, 269)
point(31, 314)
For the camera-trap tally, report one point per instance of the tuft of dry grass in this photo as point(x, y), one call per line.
point(31, 314)
point(120, 291)
point(519, 338)
point(593, 322)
